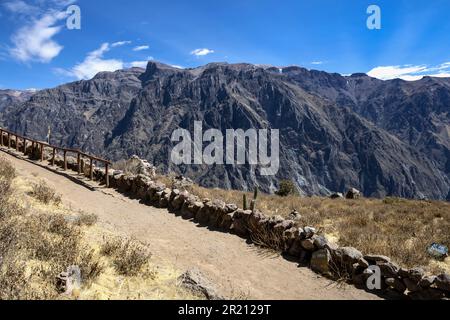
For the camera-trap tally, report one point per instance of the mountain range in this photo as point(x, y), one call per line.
point(386, 138)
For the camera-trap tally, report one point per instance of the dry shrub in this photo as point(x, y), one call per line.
point(399, 228)
point(129, 256)
point(35, 249)
point(45, 193)
point(131, 167)
point(268, 239)
point(7, 175)
point(86, 219)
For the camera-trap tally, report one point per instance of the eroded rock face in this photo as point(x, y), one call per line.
point(335, 134)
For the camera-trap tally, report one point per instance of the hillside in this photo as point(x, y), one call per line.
point(386, 138)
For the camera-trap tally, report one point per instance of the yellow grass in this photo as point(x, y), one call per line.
point(48, 238)
point(398, 228)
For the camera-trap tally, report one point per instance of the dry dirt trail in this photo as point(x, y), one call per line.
point(232, 264)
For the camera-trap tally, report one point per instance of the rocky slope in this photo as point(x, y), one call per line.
point(10, 97)
point(384, 137)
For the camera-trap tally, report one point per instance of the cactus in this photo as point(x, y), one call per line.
point(255, 194)
point(253, 205)
point(244, 200)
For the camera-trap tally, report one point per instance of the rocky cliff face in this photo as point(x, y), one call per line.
point(10, 97)
point(383, 137)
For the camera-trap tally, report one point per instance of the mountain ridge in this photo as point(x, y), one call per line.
point(336, 131)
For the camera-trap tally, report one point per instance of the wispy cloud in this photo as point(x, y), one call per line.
point(34, 41)
point(317, 63)
point(141, 48)
point(20, 7)
point(93, 64)
point(120, 44)
point(201, 52)
point(410, 72)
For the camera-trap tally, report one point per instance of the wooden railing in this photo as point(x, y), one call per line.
point(43, 145)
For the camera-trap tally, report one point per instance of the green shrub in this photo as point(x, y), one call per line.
point(287, 188)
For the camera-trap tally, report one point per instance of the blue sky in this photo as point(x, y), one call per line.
point(38, 51)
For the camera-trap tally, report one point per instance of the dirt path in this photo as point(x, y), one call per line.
point(227, 260)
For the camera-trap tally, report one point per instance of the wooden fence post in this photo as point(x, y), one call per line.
point(9, 140)
point(17, 143)
point(79, 163)
point(1, 137)
point(91, 169)
point(107, 174)
point(65, 160)
point(54, 157)
point(25, 146)
point(42, 152)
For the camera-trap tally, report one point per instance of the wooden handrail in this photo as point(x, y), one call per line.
point(42, 145)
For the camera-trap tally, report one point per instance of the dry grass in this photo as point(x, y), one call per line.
point(126, 166)
point(129, 256)
point(39, 240)
point(45, 194)
point(398, 228)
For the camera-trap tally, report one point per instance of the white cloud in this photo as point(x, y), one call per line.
point(35, 42)
point(410, 72)
point(317, 62)
point(176, 66)
point(94, 63)
point(120, 44)
point(202, 52)
point(140, 64)
point(141, 48)
point(20, 7)
point(41, 22)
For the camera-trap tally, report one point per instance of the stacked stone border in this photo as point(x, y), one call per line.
point(301, 244)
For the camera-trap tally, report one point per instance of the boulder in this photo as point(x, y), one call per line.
point(320, 261)
point(337, 195)
point(348, 255)
point(217, 211)
point(227, 222)
point(203, 215)
point(177, 203)
point(190, 209)
point(197, 283)
point(295, 215)
point(296, 248)
point(239, 227)
point(282, 226)
point(411, 285)
point(308, 244)
point(396, 284)
point(257, 222)
point(389, 269)
point(230, 207)
point(309, 232)
point(443, 282)
point(416, 274)
point(320, 242)
point(374, 259)
point(353, 194)
point(289, 236)
point(363, 263)
point(140, 166)
point(427, 281)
